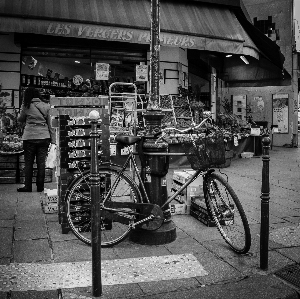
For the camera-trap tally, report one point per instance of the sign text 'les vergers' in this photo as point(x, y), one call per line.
point(111, 33)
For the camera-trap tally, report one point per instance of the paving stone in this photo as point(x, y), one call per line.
point(287, 236)
point(249, 265)
point(32, 251)
point(218, 271)
point(116, 291)
point(186, 245)
point(30, 229)
point(261, 287)
point(292, 253)
point(7, 213)
point(34, 294)
point(51, 217)
point(71, 250)
point(5, 261)
point(3, 295)
point(56, 235)
point(135, 251)
point(169, 286)
point(6, 238)
point(7, 223)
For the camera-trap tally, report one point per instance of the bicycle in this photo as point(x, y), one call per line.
point(125, 206)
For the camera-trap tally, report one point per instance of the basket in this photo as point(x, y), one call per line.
point(205, 150)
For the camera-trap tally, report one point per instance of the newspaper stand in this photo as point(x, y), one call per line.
point(71, 118)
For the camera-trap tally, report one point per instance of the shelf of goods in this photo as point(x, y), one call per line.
point(74, 150)
point(177, 110)
point(65, 86)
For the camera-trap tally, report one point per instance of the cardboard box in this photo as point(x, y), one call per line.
point(194, 189)
point(178, 209)
point(50, 208)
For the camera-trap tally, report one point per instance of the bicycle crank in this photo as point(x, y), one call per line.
point(145, 215)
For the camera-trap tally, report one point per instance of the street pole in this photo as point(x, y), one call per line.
point(157, 166)
point(265, 197)
point(95, 207)
point(154, 56)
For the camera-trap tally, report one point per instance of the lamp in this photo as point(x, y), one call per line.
point(244, 59)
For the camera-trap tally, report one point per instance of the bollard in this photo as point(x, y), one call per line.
point(95, 208)
point(265, 197)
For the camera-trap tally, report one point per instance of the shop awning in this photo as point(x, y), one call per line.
point(194, 25)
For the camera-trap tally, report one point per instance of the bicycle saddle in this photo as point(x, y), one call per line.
point(126, 139)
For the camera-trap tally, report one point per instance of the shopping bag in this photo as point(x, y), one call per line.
point(51, 157)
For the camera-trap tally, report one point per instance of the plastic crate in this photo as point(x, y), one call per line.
point(247, 155)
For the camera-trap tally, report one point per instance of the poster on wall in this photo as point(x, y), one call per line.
point(258, 108)
point(17, 98)
point(281, 112)
point(239, 105)
point(102, 71)
point(6, 97)
point(142, 73)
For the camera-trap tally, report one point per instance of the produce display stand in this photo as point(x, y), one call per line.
point(10, 167)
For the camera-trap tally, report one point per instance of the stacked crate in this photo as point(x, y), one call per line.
point(182, 202)
point(74, 143)
point(9, 169)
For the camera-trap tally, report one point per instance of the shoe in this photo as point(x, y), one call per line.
point(23, 189)
point(40, 189)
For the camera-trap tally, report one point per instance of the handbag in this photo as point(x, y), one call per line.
point(51, 157)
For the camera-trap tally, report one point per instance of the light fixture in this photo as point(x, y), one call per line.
point(77, 61)
point(244, 59)
point(229, 55)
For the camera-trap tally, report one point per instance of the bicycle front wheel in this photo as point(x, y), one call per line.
point(227, 213)
point(78, 203)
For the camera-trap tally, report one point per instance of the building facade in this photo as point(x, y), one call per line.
point(57, 47)
point(275, 18)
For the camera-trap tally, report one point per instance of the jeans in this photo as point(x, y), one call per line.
point(35, 149)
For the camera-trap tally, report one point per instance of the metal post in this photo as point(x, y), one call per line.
point(265, 197)
point(154, 56)
point(95, 208)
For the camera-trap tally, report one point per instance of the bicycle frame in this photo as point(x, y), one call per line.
point(144, 195)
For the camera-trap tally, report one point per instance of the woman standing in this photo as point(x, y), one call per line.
point(37, 135)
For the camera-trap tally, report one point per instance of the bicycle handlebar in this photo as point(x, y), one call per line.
point(184, 131)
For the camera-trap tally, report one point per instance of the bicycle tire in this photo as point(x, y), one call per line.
point(227, 212)
point(78, 207)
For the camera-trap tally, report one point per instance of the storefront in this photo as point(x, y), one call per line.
point(56, 46)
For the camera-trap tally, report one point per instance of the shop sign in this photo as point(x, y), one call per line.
point(79, 101)
point(102, 71)
point(111, 33)
point(75, 112)
point(142, 73)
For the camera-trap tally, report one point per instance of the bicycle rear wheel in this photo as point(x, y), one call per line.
point(227, 212)
point(78, 204)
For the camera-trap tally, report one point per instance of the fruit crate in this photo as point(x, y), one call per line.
point(200, 212)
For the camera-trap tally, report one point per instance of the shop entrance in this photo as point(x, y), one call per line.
point(66, 66)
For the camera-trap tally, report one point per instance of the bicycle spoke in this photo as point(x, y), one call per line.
point(112, 188)
point(228, 213)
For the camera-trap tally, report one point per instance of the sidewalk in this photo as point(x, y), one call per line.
point(37, 261)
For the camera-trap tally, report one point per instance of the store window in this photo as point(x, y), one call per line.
point(67, 67)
